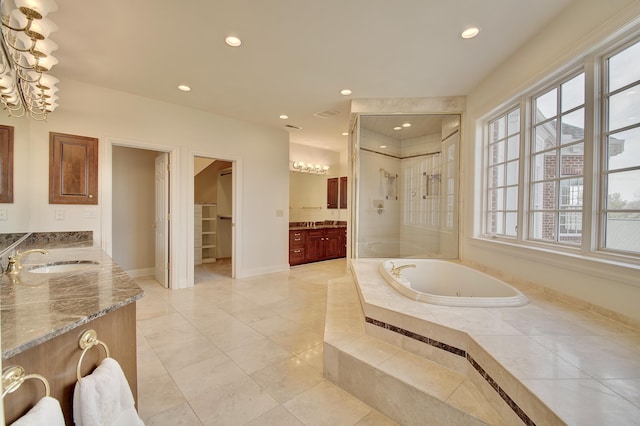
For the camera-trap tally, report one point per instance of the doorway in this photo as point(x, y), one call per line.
point(139, 212)
point(213, 219)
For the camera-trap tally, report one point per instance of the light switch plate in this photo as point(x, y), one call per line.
point(59, 214)
point(4, 214)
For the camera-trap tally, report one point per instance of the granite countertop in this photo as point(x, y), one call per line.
point(298, 226)
point(39, 307)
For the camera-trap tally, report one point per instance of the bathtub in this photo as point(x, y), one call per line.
point(440, 282)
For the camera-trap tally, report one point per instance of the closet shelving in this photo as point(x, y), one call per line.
point(205, 233)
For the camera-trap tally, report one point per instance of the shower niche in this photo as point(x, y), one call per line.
point(406, 169)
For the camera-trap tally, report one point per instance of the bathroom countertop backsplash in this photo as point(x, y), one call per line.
point(38, 307)
point(325, 224)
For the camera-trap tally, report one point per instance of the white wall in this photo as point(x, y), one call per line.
point(581, 25)
point(260, 153)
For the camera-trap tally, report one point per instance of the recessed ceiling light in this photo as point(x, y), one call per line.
point(184, 88)
point(345, 134)
point(397, 128)
point(406, 125)
point(233, 41)
point(284, 116)
point(470, 32)
point(345, 92)
point(383, 146)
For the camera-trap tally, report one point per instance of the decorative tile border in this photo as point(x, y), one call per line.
point(462, 353)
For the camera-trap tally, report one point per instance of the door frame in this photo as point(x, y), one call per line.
point(236, 212)
point(106, 198)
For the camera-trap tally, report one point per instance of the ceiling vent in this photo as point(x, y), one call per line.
point(326, 114)
point(291, 126)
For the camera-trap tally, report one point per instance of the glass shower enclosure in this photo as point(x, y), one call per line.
point(406, 175)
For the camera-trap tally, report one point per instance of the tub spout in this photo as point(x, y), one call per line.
point(396, 270)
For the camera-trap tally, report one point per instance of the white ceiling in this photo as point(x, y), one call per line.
point(296, 55)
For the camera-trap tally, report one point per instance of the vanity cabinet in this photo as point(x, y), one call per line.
point(313, 245)
point(296, 247)
point(333, 186)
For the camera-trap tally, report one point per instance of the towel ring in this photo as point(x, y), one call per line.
point(14, 375)
point(88, 340)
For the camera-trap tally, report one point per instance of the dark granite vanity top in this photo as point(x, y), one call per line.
point(39, 307)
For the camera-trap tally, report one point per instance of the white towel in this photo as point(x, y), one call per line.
point(46, 412)
point(103, 398)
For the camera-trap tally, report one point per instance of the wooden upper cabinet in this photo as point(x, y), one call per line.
point(6, 164)
point(73, 169)
point(332, 193)
point(343, 192)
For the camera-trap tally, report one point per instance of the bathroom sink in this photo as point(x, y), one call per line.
point(60, 267)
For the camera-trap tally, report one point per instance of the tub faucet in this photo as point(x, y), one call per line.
point(14, 266)
point(395, 270)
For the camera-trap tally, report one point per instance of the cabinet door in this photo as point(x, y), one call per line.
point(343, 242)
point(332, 243)
point(314, 245)
point(343, 192)
point(332, 193)
point(73, 169)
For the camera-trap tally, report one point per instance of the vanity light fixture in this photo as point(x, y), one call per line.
point(302, 167)
point(233, 41)
point(25, 55)
point(470, 32)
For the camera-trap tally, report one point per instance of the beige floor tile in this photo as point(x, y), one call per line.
point(313, 357)
point(157, 394)
point(326, 404)
point(298, 340)
point(180, 415)
point(279, 416)
point(205, 376)
point(258, 355)
point(181, 351)
point(629, 389)
point(272, 325)
point(235, 403)
point(375, 418)
point(287, 378)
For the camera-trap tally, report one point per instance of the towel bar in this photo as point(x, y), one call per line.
point(88, 340)
point(13, 376)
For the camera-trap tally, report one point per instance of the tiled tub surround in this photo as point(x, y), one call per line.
point(548, 362)
point(39, 307)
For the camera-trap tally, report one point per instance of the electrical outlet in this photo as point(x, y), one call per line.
point(4, 214)
point(59, 214)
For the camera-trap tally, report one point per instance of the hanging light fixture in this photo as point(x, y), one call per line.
point(25, 86)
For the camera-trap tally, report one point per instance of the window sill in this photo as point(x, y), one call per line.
point(601, 266)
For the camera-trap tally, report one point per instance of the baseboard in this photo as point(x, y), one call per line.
point(145, 272)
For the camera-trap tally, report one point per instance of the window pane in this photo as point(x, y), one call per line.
point(545, 136)
point(499, 225)
point(624, 149)
point(623, 67)
point(512, 198)
point(496, 176)
point(513, 147)
point(573, 93)
point(572, 160)
point(624, 109)
point(571, 193)
point(512, 173)
point(544, 196)
point(622, 232)
point(570, 227)
point(511, 224)
point(496, 153)
point(545, 166)
point(497, 129)
point(496, 199)
point(546, 106)
point(572, 126)
point(544, 226)
point(513, 122)
point(627, 185)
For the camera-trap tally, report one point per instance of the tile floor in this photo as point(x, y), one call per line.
point(241, 351)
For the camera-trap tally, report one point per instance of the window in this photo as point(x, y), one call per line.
point(570, 168)
point(557, 163)
point(621, 150)
point(503, 156)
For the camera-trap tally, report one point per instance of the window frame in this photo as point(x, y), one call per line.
point(594, 173)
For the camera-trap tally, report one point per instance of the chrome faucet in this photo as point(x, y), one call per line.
point(396, 270)
point(14, 266)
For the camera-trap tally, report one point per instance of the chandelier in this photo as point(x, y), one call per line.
point(25, 86)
